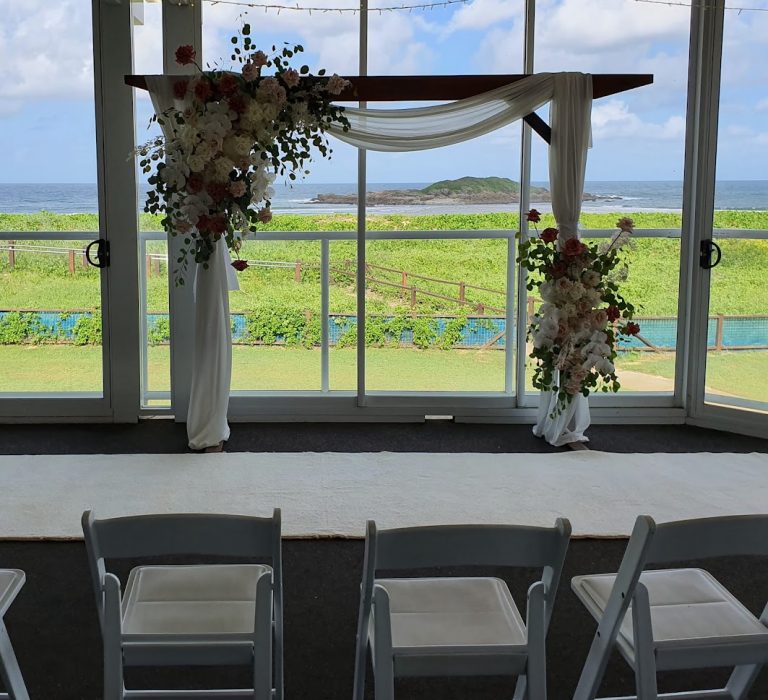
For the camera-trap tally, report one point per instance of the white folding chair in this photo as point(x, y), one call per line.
point(11, 581)
point(210, 614)
point(673, 619)
point(451, 626)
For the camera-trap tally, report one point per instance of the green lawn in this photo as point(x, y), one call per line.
point(44, 368)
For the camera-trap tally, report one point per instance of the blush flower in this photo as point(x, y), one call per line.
point(336, 84)
point(291, 78)
point(250, 72)
point(185, 55)
point(625, 224)
point(260, 59)
point(573, 247)
point(264, 215)
point(237, 188)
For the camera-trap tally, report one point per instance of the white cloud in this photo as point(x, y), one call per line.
point(613, 119)
point(481, 14)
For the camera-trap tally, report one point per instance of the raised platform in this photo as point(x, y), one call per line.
point(328, 493)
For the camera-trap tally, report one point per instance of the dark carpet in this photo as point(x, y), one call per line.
point(55, 631)
point(165, 436)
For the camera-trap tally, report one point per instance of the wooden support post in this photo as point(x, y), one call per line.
point(462, 292)
point(413, 297)
point(297, 272)
point(156, 266)
point(85, 260)
point(11, 255)
point(719, 332)
point(404, 281)
point(148, 261)
point(71, 257)
point(480, 309)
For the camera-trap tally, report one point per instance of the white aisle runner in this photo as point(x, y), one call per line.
point(334, 493)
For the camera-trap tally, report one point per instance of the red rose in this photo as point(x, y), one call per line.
point(573, 247)
point(180, 88)
point(227, 84)
point(613, 313)
point(204, 223)
point(559, 270)
point(195, 183)
point(218, 224)
point(237, 104)
point(218, 191)
point(534, 216)
point(632, 328)
point(203, 90)
point(239, 265)
point(549, 235)
point(185, 55)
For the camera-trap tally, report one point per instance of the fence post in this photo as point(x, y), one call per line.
point(297, 271)
point(71, 256)
point(531, 308)
point(462, 291)
point(85, 260)
point(156, 265)
point(11, 255)
point(480, 309)
point(404, 280)
point(719, 332)
point(413, 297)
point(148, 261)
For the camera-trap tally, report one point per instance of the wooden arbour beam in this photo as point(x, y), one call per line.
point(431, 88)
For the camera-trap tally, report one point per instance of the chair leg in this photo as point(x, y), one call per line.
point(741, 680)
point(521, 688)
point(113, 672)
point(536, 675)
point(9, 668)
point(645, 660)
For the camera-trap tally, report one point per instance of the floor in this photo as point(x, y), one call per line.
point(156, 436)
point(55, 631)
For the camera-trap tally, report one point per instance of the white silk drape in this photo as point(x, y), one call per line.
point(407, 130)
point(212, 351)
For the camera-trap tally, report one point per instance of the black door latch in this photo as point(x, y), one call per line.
point(705, 254)
point(101, 254)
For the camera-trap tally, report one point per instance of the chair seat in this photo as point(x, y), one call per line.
point(689, 607)
point(191, 602)
point(453, 615)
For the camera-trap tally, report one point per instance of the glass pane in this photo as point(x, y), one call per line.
point(342, 316)
point(276, 317)
point(50, 317)
point(737, 338)
point(436, 315)
point(50, 300)
point(635, 165)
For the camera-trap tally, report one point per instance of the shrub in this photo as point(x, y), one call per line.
point(160, 331)
point(87, 330)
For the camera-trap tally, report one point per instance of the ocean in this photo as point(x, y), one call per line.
point(625, 196)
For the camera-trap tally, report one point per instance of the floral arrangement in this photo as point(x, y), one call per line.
point(237, 132)
point(575, 331)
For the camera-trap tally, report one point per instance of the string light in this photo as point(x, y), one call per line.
point(340, 10)
point(705, 6)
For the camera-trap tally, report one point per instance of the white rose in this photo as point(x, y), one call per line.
point(222, 167)
point(196, 163)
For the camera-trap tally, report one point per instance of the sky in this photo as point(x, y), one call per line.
point(46, 81)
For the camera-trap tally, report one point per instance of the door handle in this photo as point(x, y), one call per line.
point(101, 254)
point(705, 254)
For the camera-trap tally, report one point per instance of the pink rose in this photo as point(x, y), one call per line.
point(250, 72)
point(625, 224)
point(264, 215)
point(573, 247)
point(336, 84)
point(237, 188)
point(291, 78)
point(260, 59)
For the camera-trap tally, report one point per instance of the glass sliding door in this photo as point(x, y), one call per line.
point(737, 326)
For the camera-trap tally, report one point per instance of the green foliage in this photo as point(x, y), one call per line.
point(87, 330)
point(474, 184)
point(18, 327)
point(160, 331)
point(271, 323)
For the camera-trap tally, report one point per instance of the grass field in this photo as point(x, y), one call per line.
point(64, 368)
point(43, 282)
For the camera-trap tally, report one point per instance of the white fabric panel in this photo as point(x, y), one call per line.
point(423, 128)
point(571, 128)
point(212, 353)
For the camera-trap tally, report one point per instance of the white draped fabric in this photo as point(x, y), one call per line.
point(212, 351)
point(570, 116)
point(407, 130)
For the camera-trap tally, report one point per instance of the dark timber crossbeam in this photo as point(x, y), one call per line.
point(414, 88)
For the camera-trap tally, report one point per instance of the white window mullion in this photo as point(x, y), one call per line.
point(361, 188)
point(182, 25)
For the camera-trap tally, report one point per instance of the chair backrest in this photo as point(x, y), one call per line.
point(471, 545)
point(736, 535)
point(193, 533)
